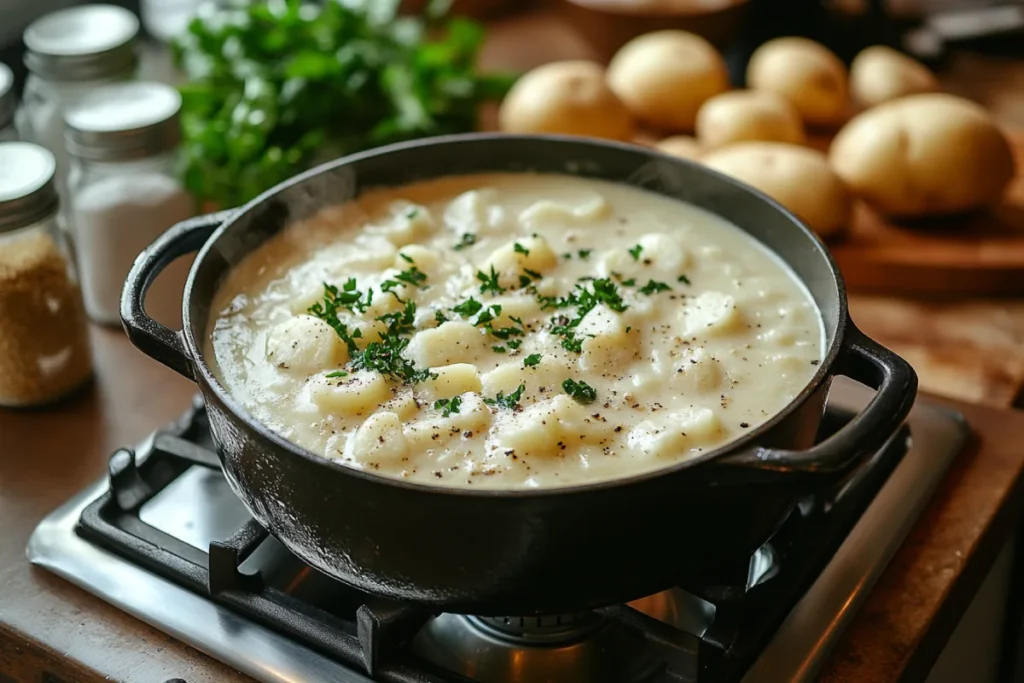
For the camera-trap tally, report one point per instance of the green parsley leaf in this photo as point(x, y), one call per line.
point(487, 315)
point(585, 253)
point(533, 273)
point(510, 402)
point(413, 277)
point(336, 373)
point(466, 239)
point(520, 249)
point(489, 282)
point(440, 317)
point(499, 349)
point(580, 391)
point(685, 280)
point(514, 344)
point(531, 361)
point(406, 258)
point(653, 287)
point(635, 252)
point(567, 255)
point(630, 282)
point(447, 406)
point(468, 307)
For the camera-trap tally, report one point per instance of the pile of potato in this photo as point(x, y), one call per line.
point(909, 150)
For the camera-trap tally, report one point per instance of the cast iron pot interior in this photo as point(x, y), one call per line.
point(524, 551)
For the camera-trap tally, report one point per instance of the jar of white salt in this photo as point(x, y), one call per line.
point(69, 54)
point(124, 192)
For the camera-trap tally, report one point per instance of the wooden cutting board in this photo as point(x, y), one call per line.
point(977, 255)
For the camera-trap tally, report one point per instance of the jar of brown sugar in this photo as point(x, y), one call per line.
point(44, 343)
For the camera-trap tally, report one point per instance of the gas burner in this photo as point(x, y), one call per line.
point(166, 521)
point(591, 649)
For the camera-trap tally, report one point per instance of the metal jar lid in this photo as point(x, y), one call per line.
point(27, 192)
point(124, 121)
point(84, 43)
point(8, 98)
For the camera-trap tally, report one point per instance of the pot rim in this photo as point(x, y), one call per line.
point(748, 440)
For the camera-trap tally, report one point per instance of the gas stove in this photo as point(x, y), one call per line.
point(164, 538)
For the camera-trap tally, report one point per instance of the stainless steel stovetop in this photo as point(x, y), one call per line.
point(198, 509)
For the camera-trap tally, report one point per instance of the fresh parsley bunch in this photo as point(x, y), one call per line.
point(276, 86)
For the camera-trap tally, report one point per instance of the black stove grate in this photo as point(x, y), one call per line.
point(372, 635)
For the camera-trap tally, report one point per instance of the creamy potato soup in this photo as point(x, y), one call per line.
point(513, 330)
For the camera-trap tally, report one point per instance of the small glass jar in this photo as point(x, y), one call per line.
point(8, 103)
point(44, 343)
point(69, 54)
point(124, 192)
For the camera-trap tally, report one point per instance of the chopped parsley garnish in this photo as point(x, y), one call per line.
point(412, 213)
point(520, 249)
point(533, 273)
point(685, 280)
point(635, 252)
point(514, 344)
point(630, 282)
point(466, 239)
point(468, 307)
point(487, 315)
point(413, 277)
point(348, 297)
point(511, 401)
point(406, 258)
point(584, 253)
point(388, 285)
point(327, 310)
point(584, 299)
point(385, 356)
point(524, 281)
point(489, 282)
point(567, 255)
point(580, 391)
point(447, 406)
point(531, 361)
point(499, 349)
point(440, 317)
point(653, 287)
point(336, 373)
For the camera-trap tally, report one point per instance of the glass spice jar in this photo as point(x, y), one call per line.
point(44, 346)
point(124, 192)
point(69, 54)
point(8, 103)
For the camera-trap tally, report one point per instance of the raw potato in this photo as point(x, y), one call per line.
point(570, 98)
point(924, 155)
point(682, 146)
point(664, 77)
point(799, 178)
point(806, 73)
point(744, 115)
point(879, 74)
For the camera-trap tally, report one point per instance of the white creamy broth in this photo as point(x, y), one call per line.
point(513, 330)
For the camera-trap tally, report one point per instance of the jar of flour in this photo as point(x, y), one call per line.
point(125, 192)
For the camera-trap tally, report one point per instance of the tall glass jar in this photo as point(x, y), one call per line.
point(8, 103)
point(69, 54)
point(44, 345)
point(124, 191)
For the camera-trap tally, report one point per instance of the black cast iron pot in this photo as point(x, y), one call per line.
point(523, 551)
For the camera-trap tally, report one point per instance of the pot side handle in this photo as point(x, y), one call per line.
point(149, 336)
point(868, 362)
